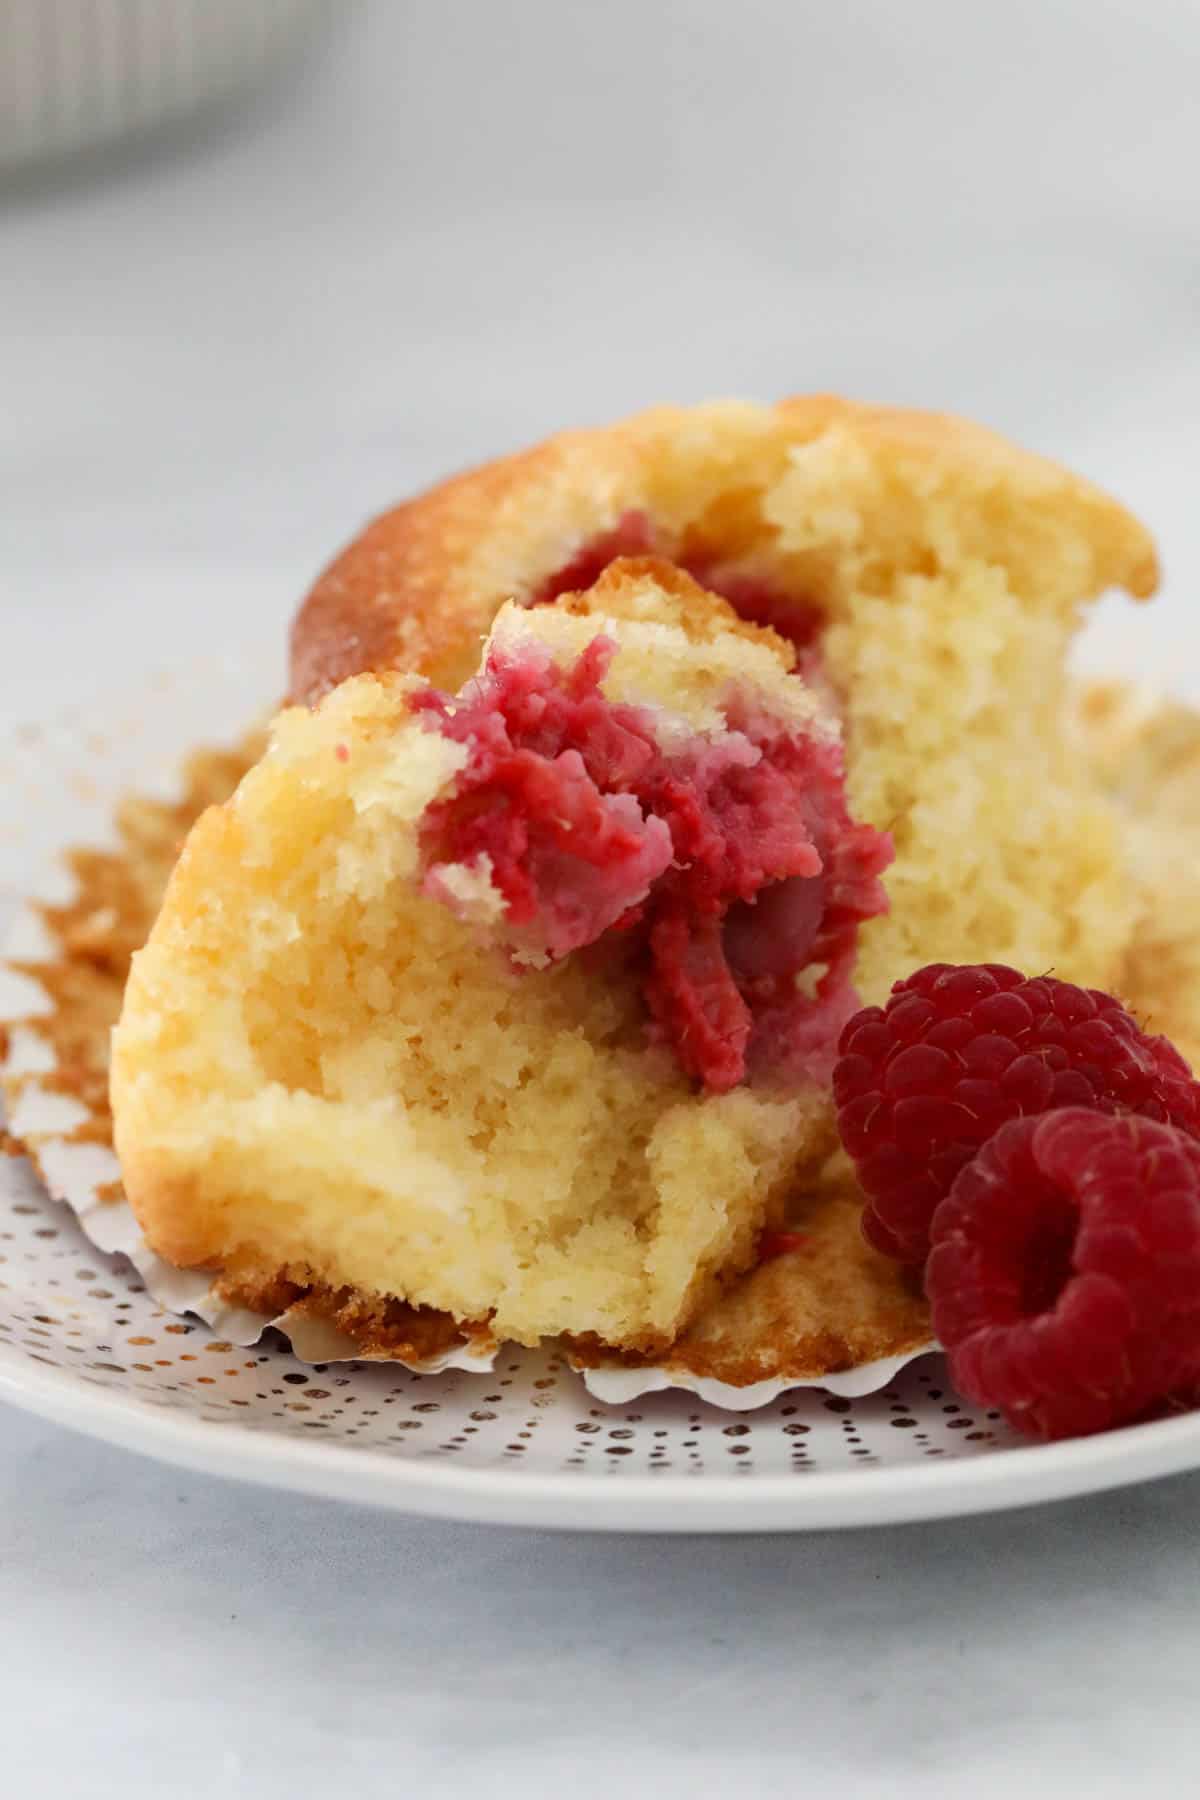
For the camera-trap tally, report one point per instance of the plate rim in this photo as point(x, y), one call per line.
point(815, 1500)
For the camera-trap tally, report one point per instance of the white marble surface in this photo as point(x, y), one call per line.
point(458, 228)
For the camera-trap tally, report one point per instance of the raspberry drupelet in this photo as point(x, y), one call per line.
point(922, 1083)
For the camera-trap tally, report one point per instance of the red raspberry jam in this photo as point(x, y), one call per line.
point(729, 872)
point(632, 535)
point(753, 598)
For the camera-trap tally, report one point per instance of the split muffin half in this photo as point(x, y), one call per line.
point(521, 1002)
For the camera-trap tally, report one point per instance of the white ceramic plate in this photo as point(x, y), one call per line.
point(83, 1343)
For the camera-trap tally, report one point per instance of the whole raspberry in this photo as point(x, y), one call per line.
point(924, 1081)
point(1064, 1275)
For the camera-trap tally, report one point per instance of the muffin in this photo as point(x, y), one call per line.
point(511, 989)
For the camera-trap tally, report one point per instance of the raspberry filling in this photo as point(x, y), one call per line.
point(632, 535)
point(754, 599)
point(727, 871)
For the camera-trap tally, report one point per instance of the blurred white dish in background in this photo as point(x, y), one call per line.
point(75, 74)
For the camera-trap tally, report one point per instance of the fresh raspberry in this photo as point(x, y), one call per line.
point(1064, 1275)
point(956, 1053)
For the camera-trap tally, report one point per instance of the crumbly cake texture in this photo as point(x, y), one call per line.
point(1146, 753)
point(831, 1302)
point(949, 569)
point(825, 1303)
point(323, 1074)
